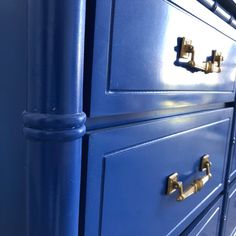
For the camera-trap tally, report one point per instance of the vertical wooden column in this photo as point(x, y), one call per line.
point(54, 121)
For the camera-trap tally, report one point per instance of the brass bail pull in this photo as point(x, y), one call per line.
point(175, 185)
point(187, 51)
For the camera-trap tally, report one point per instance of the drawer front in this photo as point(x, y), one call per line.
point(230, 215)
point(209, 224)
point(233, 164)
point(232, 169)
point(128, 169)
point(136, 65)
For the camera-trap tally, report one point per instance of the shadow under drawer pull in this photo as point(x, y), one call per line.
point(173, 183)
point(187, 51)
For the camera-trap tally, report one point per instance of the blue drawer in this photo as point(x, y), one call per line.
point(232, 173)
point(209, 224)
point(135, 64)
point(232, 169)
point(128, 169)
point(233, 165)
point(230, 213)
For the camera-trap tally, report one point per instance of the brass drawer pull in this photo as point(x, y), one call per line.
point(173, 183)
point(213, 64)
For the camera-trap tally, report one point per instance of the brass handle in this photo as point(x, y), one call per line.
point(173, 183)
point(187, 51)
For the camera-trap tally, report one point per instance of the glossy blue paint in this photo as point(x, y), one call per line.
point(135, 67)
point(232, 158)
point(229, 226)
point(13, 73)
point(113, 121)
point(166, 118)
point(233, 163)
point(209, 223)
point(128, 167)
point(54, 121)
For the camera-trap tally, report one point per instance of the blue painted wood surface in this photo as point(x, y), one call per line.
point(148, 117)
point(128, 167)
point(229, 226)
point(232, 158)
point(134, 58)
point(54, 121)
point(209, 224)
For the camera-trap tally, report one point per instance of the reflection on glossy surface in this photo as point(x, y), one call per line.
point(172, 103)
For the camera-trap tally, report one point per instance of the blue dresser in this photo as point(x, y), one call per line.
point(118, 118)
point(159, 91)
